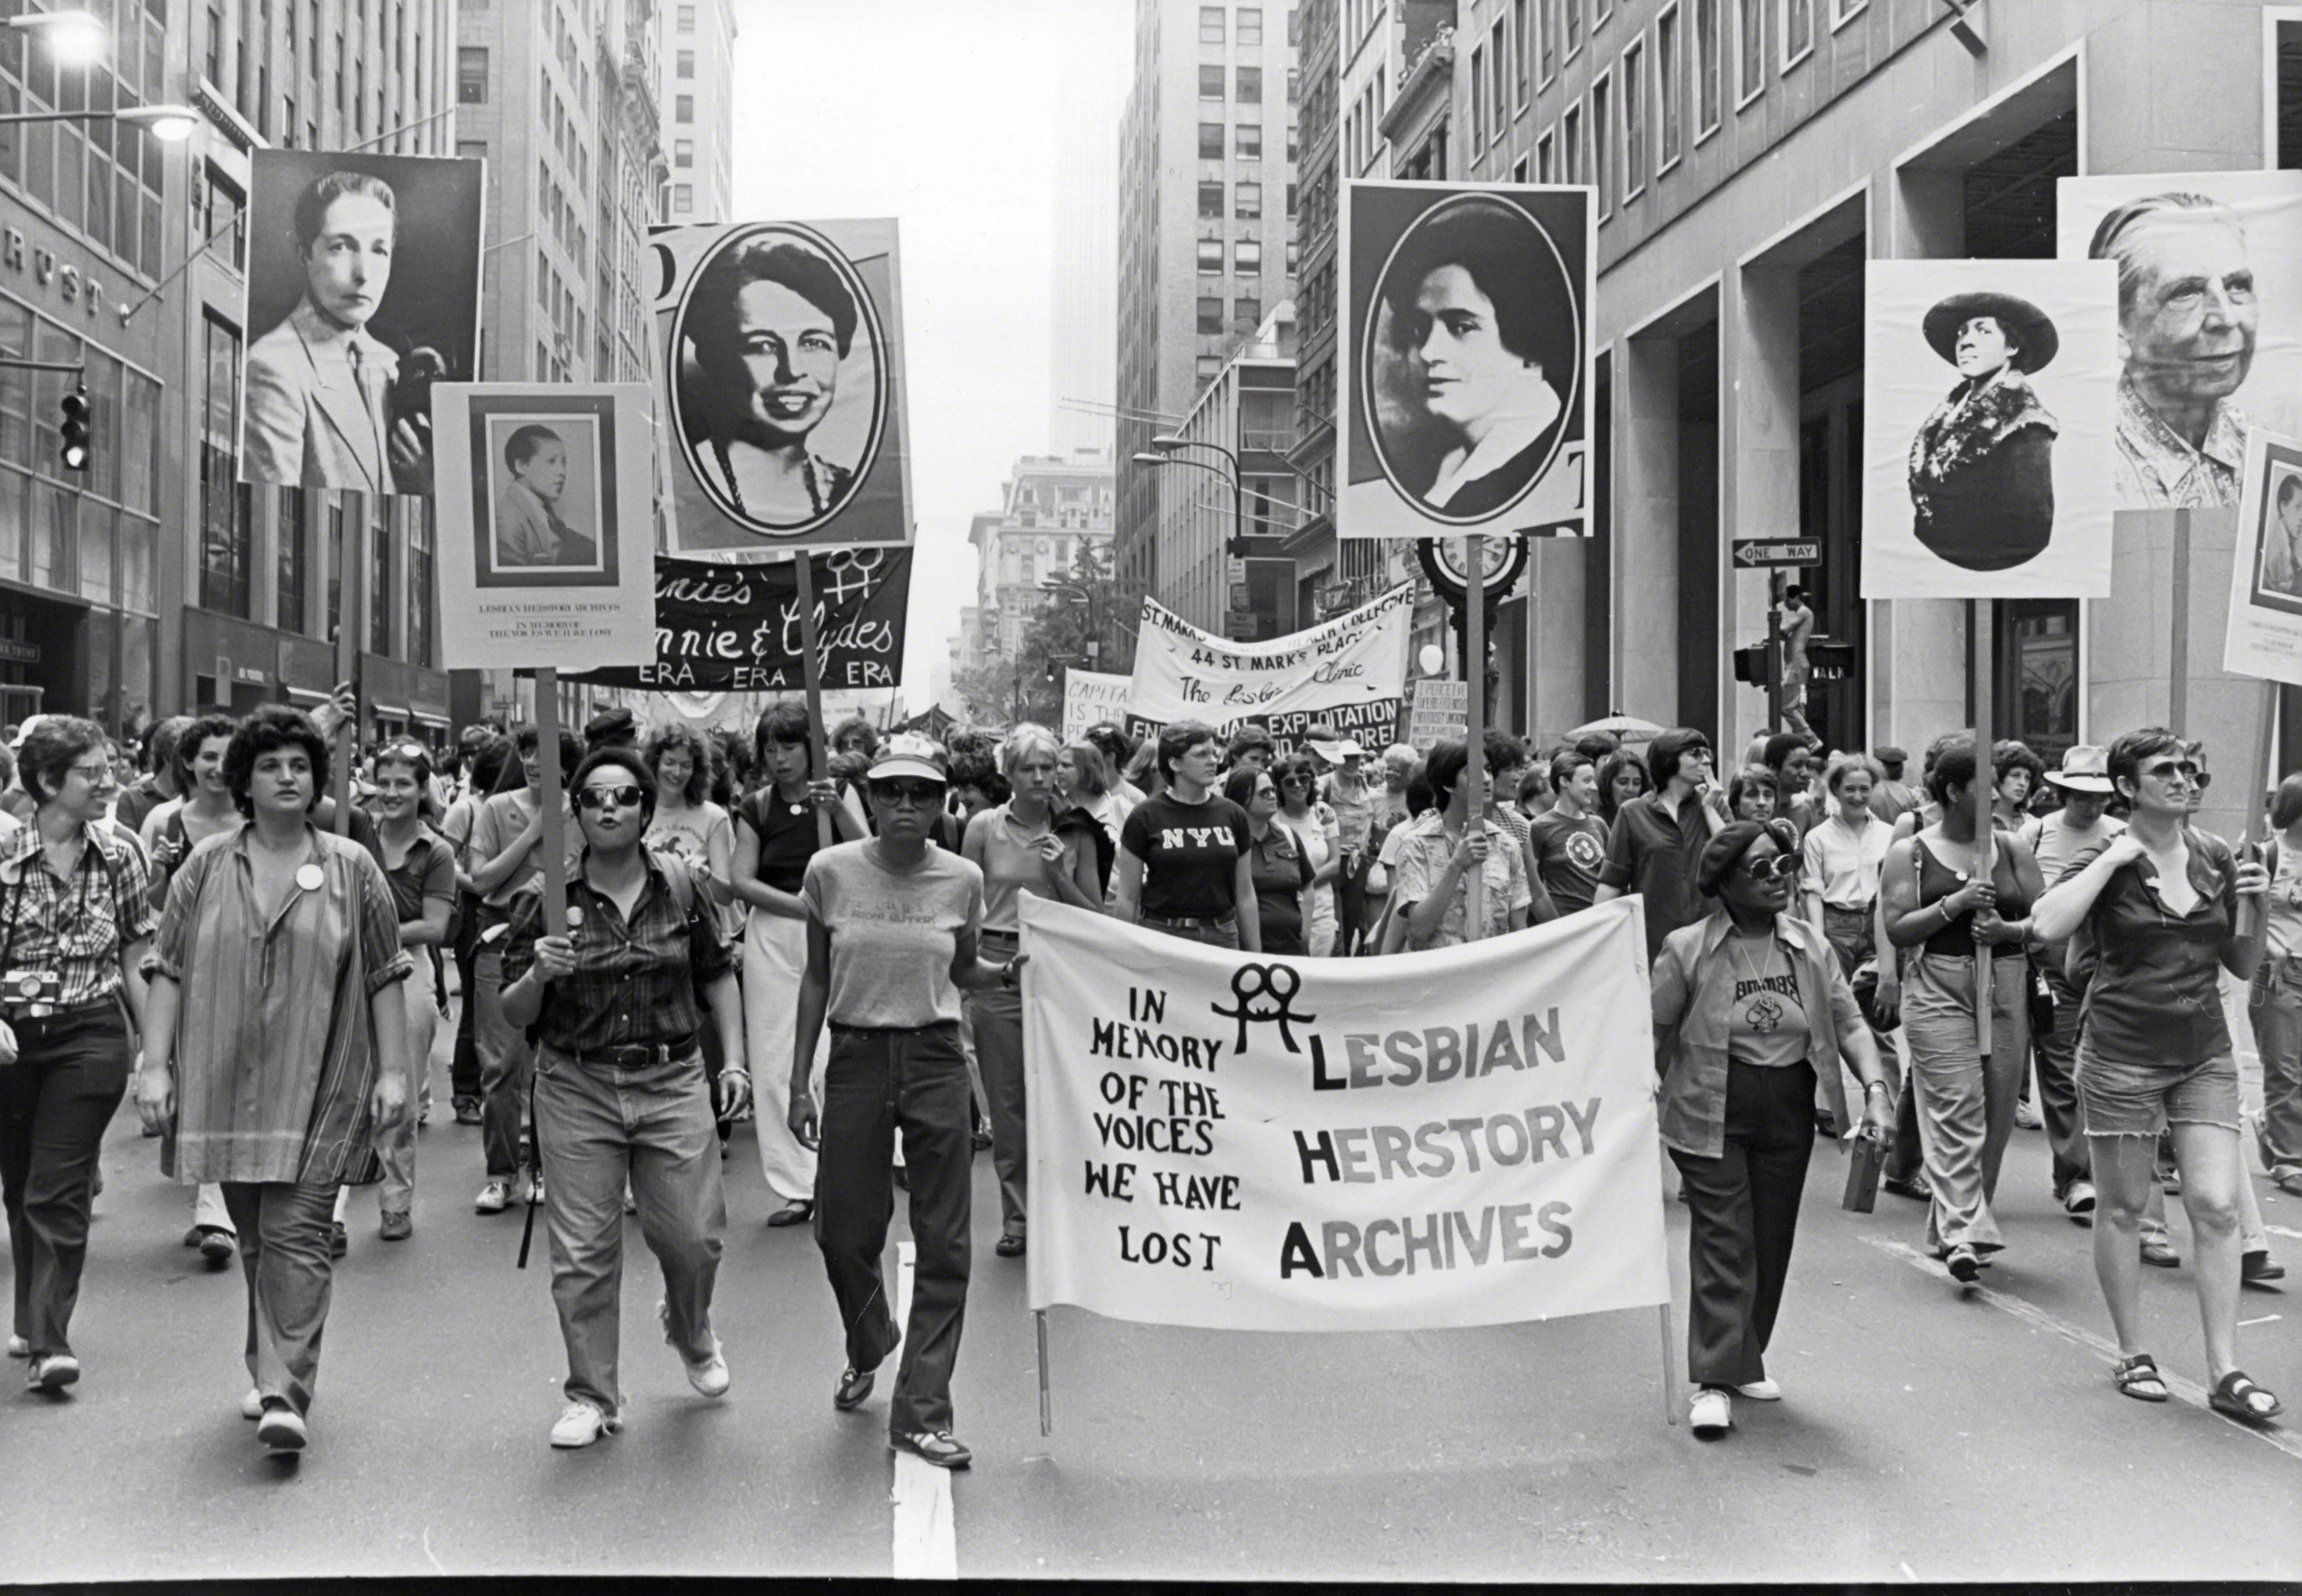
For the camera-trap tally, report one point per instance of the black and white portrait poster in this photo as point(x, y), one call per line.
point(1988, 389)
point(2265, 638)
point(2209, 321)
point(1463, 363)
point(362, 290)
point(784, 385)
point(547, 525)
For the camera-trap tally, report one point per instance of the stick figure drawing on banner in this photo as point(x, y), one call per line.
point(1278, 982)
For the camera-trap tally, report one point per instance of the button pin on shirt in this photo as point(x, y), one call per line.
point(311, 878)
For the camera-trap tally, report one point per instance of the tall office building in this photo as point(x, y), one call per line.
point(1206, 203)
point(559, 97)
point(1082, 370)
point(695, 69)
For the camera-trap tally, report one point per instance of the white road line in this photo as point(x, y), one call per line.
point(2290, 1233)
point(2265, 1319)
point(927, 1534)
point(2187, 1390)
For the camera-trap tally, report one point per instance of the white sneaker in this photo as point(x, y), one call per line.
point(17, 1347)
point(582, 1425)
point(494, 1197)
point(280, 1429)
point(710, 1377)
point(251, 1406)
point(1711, 1414)
point(1761, 1391)
point(2026, 1114)
point(2080, 1199)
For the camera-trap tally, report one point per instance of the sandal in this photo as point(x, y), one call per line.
point(2235, 1395)
point(2138, 1377)
point(796, 1212)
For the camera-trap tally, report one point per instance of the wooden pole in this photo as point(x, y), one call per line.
point(2257, 801)
point(810, 665)
point(351, 631)
point(1669, 1369)
point(2178, 651)
point(1474, 719)
point(1046, 1410)
point(1985, 640)
point(551, 781)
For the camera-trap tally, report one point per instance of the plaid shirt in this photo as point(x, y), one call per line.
point(76, 928)
point(633, 984)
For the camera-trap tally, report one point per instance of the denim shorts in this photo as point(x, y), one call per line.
point(2123, 1099)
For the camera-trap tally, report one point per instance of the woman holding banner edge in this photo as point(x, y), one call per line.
point(1750, 1007)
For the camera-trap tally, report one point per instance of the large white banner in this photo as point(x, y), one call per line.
point(2210, 320)
point(2266, 611)
point(1349, 672)
point(1988, 393)
point(1091, 696)
point(1460, 1137)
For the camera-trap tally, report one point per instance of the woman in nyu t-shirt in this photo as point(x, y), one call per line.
point(1186, 858)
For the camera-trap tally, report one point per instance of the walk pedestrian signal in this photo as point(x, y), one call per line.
point(1751, 665)
point(75, 450)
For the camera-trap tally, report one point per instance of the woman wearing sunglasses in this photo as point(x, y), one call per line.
point(1938, 907)
point(2160, 904)
point(893, 925)
point(620, 1094)
point(1750, 1010)
point(776, 832)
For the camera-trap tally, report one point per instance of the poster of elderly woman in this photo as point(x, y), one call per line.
point(1989, 400)
point(784, 379)
point(1465, 369)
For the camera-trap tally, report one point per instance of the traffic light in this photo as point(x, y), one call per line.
point(1751, 665)
point(1235, 547)
point(74, 451)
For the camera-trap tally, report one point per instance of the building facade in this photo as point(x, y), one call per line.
point(1052, 509)
point(1206, 203)
point(695, 65)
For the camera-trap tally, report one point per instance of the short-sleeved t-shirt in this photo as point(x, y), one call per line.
point(1569, 853)
point(1425, 848)
point(1283, 871)
point(691, 832)
point(1190, 853)
point(1767, 1025)
point(787, 841)
point(1011, 868)
point(427, 871)
point(501, 818)
point(2157, 993)
point(893, 932)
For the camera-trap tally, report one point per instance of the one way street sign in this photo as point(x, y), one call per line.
point(1762, 551)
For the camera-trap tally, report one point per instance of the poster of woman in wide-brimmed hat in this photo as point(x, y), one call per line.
point(1989, 415)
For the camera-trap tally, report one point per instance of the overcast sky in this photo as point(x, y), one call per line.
point(942, 115)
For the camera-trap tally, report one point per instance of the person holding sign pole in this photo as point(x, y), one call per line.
point(893, 928)
point(620, 1091)
point(1185, 856)
point(2161, 905)
point(1430, 894)
point(1966, 1083)
point(2276, 1007)
point(1658, 837)
point(1751, 1010)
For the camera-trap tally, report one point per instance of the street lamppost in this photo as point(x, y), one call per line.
point(170, 124)
point(74, 38)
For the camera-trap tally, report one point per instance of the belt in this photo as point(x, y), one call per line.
point(94, 1008)
point(1189, 922)
point(637, 1055)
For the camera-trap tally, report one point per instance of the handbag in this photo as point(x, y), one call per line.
point(1862, 1171)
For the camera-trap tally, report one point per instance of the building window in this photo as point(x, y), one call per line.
point(1546, 158)
point(1632, 78)
point(683, 198)
point(1211, 257)
point(472, 75)
point(380, 539)
point(1248, 199)
point(226, 510)
point(294, 536)
point(1750, 50)
point(419, 586)
point(226, 208)
point(1291, 257)
point(683, 152)
point(1478, 100)
point(683, 107)
point(1250, 27)
point(1247, 257)
point(687, 18)
point(1602, 165)
point(683, 64)
point(1499, 57)
point(1210, 141)
point(1249, 141)
point(1211, 320)
point(1573, 29)
point(1798, 31)
point(1670, 129)
point(1570, 145)
point(1290, 202)
point(1250, 86)
point(1210, 24)
point(1519, 169)
point(1707, 86)
point(1294, 86)
point(1247, 313)
point(1546, 39)
point(1600, 10)
point(1211, 202)
point(1843, 11)
point(1211, 83)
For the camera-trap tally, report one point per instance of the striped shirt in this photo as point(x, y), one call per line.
point(75, 927)
point(276, 1045)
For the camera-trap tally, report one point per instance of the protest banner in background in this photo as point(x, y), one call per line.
point(1349, 672)
point(783, 375)
point(2266, 611)
point(723, 628)
point(1464, 361)
point(547, 525)
point(1989, 394)
point(1090, 696)
point(2241, 233)
point(1440, 708)
point(1460, 1137)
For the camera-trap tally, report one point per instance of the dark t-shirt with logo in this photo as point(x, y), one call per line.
point(1190, 853)
point(1568, 855)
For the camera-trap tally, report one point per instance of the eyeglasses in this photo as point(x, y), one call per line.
point(1774, 867)
point(1300, 779)
point(918, 794)
point(624, 796)
point(98, 774)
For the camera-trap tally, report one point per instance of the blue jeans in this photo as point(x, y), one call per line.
point(878, 1082)
point(597, 1126)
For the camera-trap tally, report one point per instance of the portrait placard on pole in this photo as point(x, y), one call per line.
point(547, 526)
point(1988, 393)
point(2265, 638)
point(1463, 365)
point(362, 290)
point(781, 365)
